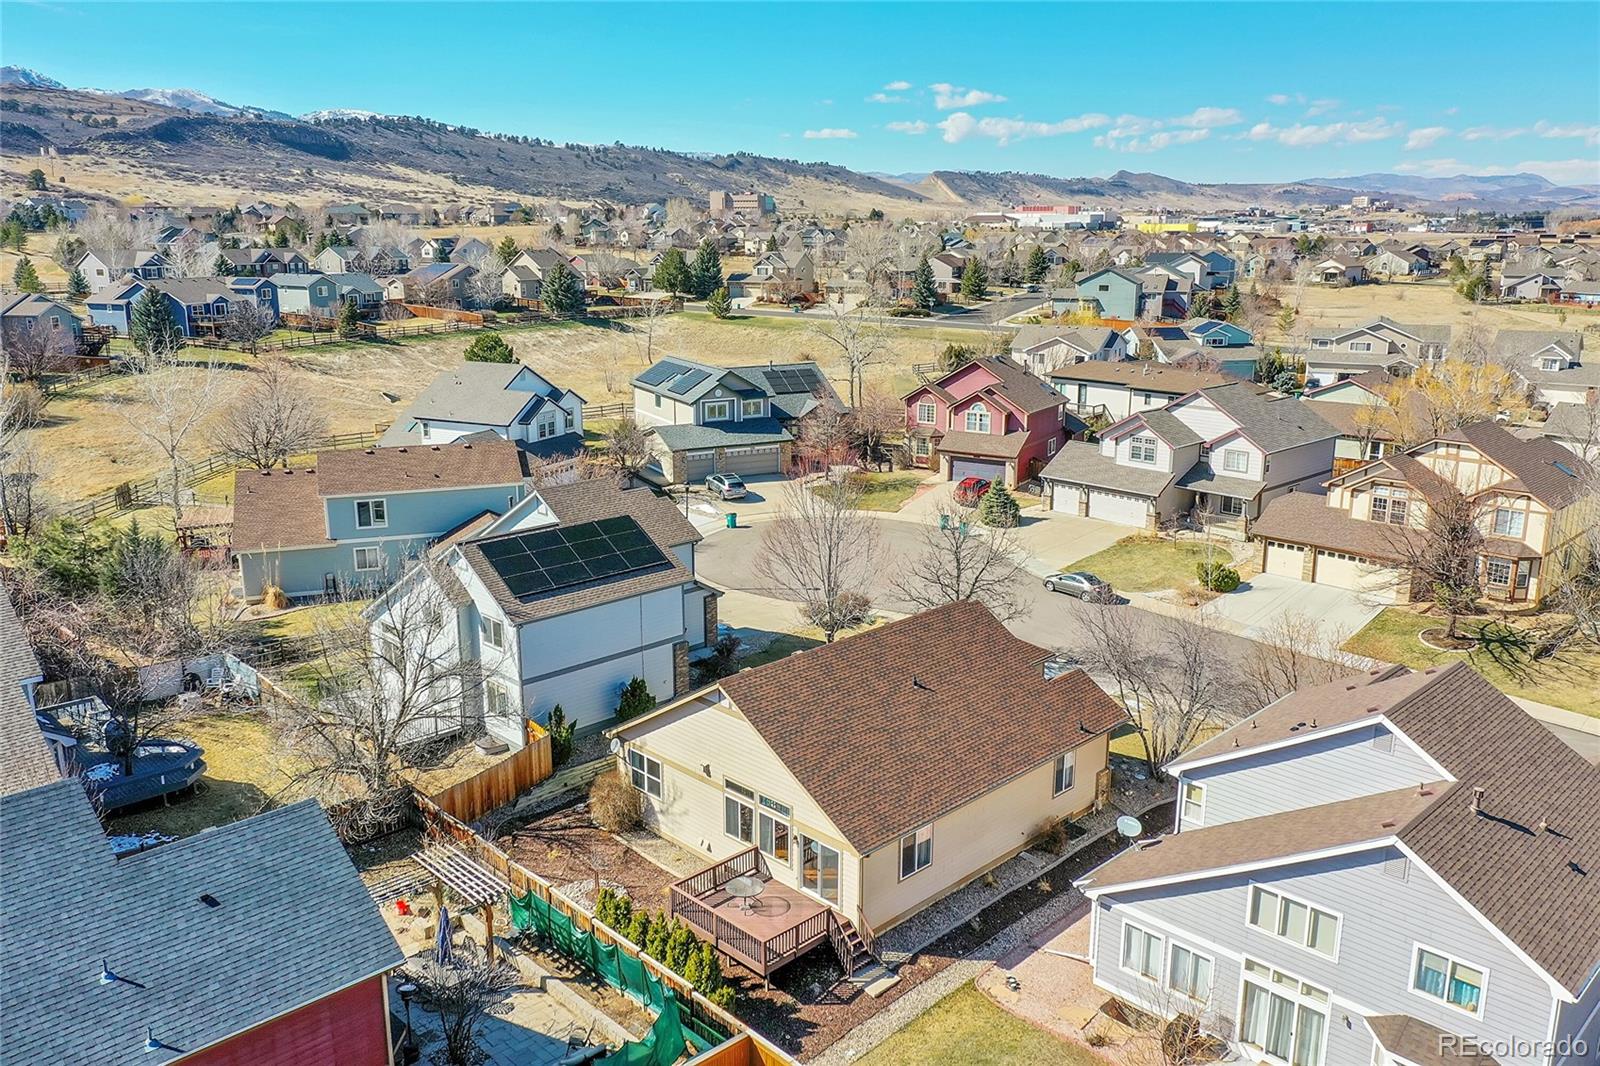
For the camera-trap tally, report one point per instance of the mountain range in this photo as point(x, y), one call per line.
point(181, 143)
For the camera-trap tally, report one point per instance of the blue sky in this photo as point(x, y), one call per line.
point(1212, 92)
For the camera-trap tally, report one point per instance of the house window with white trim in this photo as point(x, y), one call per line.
point(1142, 450)
point(921, 446)
point(1066, 767)
point(496, 699)
point(1189, 973)
point(1283, 1016)
point(819, 868)
point(774, 826)
point(1509, 523)
point(977, 418)
point(916, 851)
point(546, 427)
point(372, 514)
point(1361, 346)
point(1549, 363)
point(717, 410)
point(1294, 920)
point(369, 559)
point(1050, 446)
point(739, 812)
point(1141, 951)
point(492, 632)
point(1448, 980)
point(753, 408)
point(1230, 506)
point(645, 773)
point(1498, 572)
point(1236, 460)
point(925, 414)
point(1194, 803)
point(1390, 504)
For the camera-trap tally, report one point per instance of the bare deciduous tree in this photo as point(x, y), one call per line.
point(31, 351)
point(1293, 652)
point(627, 450)
point(880, 417)
point(247, 322)
point(22, 504)
point(642, 324)
point(960, 562)
point(1440, 553)
point(822, 550)
point(271, 419)
point(858, 342)
point(191, 257)
point(171, 400)
point(463, 992)
point(106, 229)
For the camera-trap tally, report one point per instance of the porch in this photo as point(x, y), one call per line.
point(766, 932)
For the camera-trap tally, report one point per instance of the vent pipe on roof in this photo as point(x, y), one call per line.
point(1477, 799)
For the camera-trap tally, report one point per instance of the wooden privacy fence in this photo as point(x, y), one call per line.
point(447, 314)
point(440, 825)
point(469, 800)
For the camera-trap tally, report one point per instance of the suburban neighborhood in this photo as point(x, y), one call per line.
point(831, 591)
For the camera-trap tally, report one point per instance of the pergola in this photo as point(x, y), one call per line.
point(479, 887)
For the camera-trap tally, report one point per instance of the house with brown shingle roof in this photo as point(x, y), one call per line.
point(1395, 867)
point(989, 418)
point(850, 777)
point(1533, 497)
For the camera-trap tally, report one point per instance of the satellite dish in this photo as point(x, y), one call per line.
point(616, 745)
point(1129, 826)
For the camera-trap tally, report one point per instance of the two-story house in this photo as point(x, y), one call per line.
point(1113, 391)
point(524, 276)
point(708, 419)
point(307, 295)
point(1538, 286)
point(199, 305)
point(990, 418)
point(1204, 270)
point(1126, 294)
point(358, 517)
point(1394, 868)
point(438, 284)
point(563, 599)
point(776, 275)
point(1043, 349)
point(25, 313)
point(1222, 450)
point(508, 399)
point(1381, 344)
point(813, 773)
point(1549, 363)
point(1531, 496)
point(1359, 408)
point(102, 267)
point(263, 262)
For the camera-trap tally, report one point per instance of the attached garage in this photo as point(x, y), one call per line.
point(988, 469)
point(1066, 499)
point(1285, 560)
point(698, 465)
point(1346, 571)
point(759, 459)
point(1115, 507)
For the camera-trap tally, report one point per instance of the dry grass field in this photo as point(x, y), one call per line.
point(1428, 302)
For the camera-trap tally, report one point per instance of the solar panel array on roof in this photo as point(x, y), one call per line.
point(548, 560)
point(792, 380)
point(687, 382)
point(661, 372)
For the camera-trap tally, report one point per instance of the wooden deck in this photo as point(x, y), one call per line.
point(782, 923)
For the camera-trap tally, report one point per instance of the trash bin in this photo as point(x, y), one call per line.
point(732, 519)
point(944, 520)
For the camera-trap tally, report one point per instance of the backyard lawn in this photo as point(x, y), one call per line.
point(885, 491)
point(1570, 680)
point(967, 1028)
point(1142, 563)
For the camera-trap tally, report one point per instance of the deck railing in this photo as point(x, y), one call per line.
point(762, 956)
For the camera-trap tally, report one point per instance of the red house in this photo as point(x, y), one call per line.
point(991, 419)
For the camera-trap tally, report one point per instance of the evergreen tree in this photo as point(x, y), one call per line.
point(222, 268)
point(672, 274)
point(151, 326)
point(561, 291)
point(507, 249)
point(975, 279)
point(719, 304)
point(923, 292)
point(999, 508)
point(1232, 303)
point(36, 180)
point(349, 320)
point(772, 243)
point(77, 284)
point(26, 277)
point(705, 274)
point(489, 348)
point(1037, 266)
point(280, 239)
point(636, 700)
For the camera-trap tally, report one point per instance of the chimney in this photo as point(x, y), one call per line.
point(1477, 799)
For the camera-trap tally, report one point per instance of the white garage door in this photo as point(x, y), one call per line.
point(1065, 498)
point(1127, 510)
point(1346, 571)
point(762, 459)
point(1285, 560)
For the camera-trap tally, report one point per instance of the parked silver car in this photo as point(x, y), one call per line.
point(1082, 584)
point(726, 486)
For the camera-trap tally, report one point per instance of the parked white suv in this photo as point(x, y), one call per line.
point(726, 486)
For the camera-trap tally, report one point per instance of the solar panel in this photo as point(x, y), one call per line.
point(549, 560)
point(661, 372)
point(687, 382)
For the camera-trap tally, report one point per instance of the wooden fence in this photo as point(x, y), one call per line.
point(469, 800)
point(440, 825)
point(445, 314)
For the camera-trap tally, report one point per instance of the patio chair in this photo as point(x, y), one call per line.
point(215, 679)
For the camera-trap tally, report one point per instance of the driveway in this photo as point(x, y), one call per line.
point(1255, 606)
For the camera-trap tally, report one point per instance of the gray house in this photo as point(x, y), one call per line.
point(1395, 868)
point(507, 399)
point(312, 295)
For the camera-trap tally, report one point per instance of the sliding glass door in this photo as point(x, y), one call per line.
point(819, 869)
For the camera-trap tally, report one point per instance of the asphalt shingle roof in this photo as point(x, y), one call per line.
point(1078, 463)
point(1273, 422)
point(751, 431)
point(25, 759)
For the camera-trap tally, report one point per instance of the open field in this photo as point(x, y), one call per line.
point(1425, 302)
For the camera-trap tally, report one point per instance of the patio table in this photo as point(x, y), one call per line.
point(745, 889)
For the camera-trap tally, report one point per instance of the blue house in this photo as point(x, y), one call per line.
point(198, 304)
point(355, 520)
point(1109, 293)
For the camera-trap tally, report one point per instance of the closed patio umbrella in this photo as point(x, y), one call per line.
point(441, 944)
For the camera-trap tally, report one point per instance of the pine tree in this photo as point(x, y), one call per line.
point(719, 303)
point(26, 277)
point(923, 292)
point(77, 284)
point(1232, 304)
point(999, 508)
point(1037, 266)
point(975, 279)
point(349, 320)
point(705, 274)
point(672, 274)
point(489, 348)
point(561, 292)
point(151, 326)
point(636, 699)
point(507, 250)
point(222, 268)
point(772, 243)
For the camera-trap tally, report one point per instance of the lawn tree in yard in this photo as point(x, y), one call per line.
point(955, 356)
point(826, 438)
point(462, 993)
point(1293, 652)
point(1440, 397)
point(705, 273)
point(821, 549)
point(484, 285)
point(1441, 554)
point(975, 279)
point(1170, 674)
point(489, 348)
point(21, 466)
point(171, 400)
point(190, 257)
point(627, 451)
point(152, 327)
point(858, 342)
point(271, 419)
point(561, 292)
point(960, 562)
point(349, 320)
point(32, 351)
point(880, 416)
point(718, 303)
point(1182, 1029)
point(642, 326)
point(999, 509)
point(26, 277)
point(77, 284)
point(672, 273)
point(246, 323)
point(1037, 266)
point(924, 293)
point(870, 251)
point(507, 249)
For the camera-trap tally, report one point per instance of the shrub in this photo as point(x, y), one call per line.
point(614, 804)
point(902, 311)
point(655, 940)
point(561, 732)
point(638, 927)
point(723, 997)
point(680, 943)
point(999, 508)
point(722, 661)
point(1217, 577)
point(719, 303)
point(635, 700)
point(489, 348)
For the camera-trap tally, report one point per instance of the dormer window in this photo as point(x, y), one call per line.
point(977, 418)
point(1142, 450)
point(1389, 505)
point(718, 410)
point(1551, 362)
point(753, 408)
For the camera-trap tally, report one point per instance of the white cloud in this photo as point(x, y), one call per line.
point(1321, 107)
point(1590, 134)
point(1301, 135)
point(885, 98)
point(1138, 133)
point(914, 128)
point(1491, 133)
point(1153, 143)
point(1425, 137)
point(897, 87)
point(1561, 171)
point(1206, 118)
point(1279, 99)
point(947, 96)
point(829, 134)
point(961, 126)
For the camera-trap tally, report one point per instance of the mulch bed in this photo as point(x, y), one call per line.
point(1439, 639)
point(565, 846)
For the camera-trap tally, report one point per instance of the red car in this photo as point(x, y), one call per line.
point(971, 490)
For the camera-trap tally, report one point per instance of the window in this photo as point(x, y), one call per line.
point(1141, 952)
point(492, 631)
point(1050, 446)
point(1361, 346)
point(1231, 506)
point(368, 559)
point(1294, 921)
point(1375, 449)
point(752, 408)
point(1499, 572)
point(427, 432)
point(1550, 364)
point(372, 514)
point(819, 869)
point(916, 851)
point(546, 428)
point(1524, 572)
point(645, 773)
point(1283, 1016)
point(925, 414)
point(1390, 504)
point(1147, 398)
point(496, 700)
point(1235, 460)
point(1194, 803)
point(718, 410)
point(977, 419)
point(1447, 980)
point(658, 399)
point(1142, 450)
point(775, 829)
point(739, 812)
point(1321, 342)
point(1189, 973)
point(921, 446)
point(1066, 764)
point(1509, 523)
